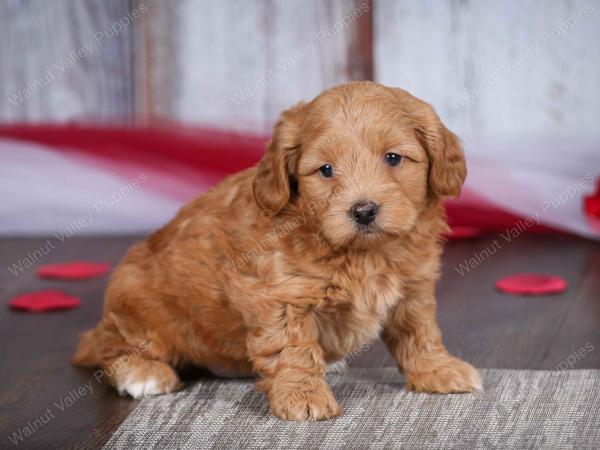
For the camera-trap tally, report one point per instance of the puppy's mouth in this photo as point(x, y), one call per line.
point(368, 229)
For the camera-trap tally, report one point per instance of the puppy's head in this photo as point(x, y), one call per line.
point(362, 160)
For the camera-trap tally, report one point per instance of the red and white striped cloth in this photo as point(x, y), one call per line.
point(94, 180)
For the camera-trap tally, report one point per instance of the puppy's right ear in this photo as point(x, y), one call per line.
point(271, 185)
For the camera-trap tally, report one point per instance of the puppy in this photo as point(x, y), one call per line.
point(331, 241)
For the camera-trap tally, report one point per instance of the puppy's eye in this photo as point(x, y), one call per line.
point(392, 159)
point(326, 170)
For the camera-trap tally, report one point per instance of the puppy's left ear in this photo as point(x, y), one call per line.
point(447, 166)
point(272, 184)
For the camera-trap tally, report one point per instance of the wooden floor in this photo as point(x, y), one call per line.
point(65, 407)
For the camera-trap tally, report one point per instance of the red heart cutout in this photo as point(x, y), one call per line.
point(531, 284)
point(40, 301)
point(77, 270)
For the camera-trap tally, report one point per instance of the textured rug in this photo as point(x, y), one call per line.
point(517, 409)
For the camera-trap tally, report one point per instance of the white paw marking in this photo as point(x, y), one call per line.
point(139, 388)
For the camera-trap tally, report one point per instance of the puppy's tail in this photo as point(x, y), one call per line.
point(86, 354)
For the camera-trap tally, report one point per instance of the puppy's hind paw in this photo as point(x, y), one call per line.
point(140, 388)
point(146, 378)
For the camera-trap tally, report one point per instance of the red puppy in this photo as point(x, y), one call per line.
point(331, 241)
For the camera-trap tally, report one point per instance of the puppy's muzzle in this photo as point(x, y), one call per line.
point(364, 212)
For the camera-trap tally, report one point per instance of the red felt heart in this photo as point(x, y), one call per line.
point(531, 284)
point(77, 270)
point(44, 301)
point(463, 232)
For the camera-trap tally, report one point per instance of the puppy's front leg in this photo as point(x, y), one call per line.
point(415, 340)
point(284, 349)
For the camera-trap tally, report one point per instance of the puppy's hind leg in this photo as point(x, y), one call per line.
point(139, 377)
point(131, 351)
point(128, 364)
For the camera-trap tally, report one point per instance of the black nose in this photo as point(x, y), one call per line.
point(364, 212)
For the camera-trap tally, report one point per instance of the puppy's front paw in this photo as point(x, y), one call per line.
point(446, 375)
point(305, 402)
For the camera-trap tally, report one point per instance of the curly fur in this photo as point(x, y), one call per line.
point(267, 274)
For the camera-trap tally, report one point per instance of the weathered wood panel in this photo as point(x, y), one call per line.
point(236, 65)
point(489, 67)
point(314, 45)
point(66, 60)
point(213, 49)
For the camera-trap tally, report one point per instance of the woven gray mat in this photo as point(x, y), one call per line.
point(517, 409)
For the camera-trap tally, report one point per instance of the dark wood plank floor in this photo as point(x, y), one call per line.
point(69, 408)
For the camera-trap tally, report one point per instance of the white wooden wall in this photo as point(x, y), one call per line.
point(53, 67)
point(508, 67)
point(237, 64)
point(490, 67)
point(228, 64)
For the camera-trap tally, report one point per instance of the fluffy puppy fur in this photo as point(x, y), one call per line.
point(271, 274)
